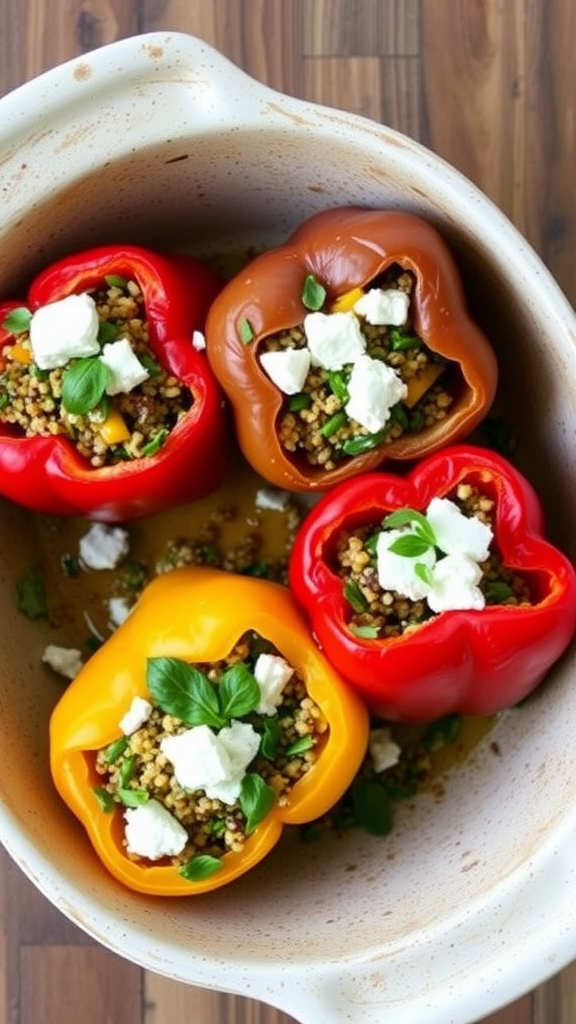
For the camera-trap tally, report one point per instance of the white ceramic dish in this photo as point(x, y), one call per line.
point(472, 900)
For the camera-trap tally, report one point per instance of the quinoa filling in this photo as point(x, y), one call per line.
point(314, 423)
point(106, 428)
point(376, 612)
point(287, 730)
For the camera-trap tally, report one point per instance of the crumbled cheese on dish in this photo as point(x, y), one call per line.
point(334, 339)
point(67, 661)
point(198, 341)
point(272, 499)
point(119, 609)
point(385, 753)
point(138, 713)
point(454, 585)
point(398, 572)
point(384, 306)
point(456, 533)
point(271, 673)
point(64, 330)
point(103, 547)
point(126, 370)
point(152, 832)
point(287, 368)
point(213, 762)
point(373, 389)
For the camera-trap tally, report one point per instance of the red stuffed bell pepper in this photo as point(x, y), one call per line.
point(107, 408)
point(436, 592)
point(349, 345)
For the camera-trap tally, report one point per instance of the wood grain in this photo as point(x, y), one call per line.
point(488, 84)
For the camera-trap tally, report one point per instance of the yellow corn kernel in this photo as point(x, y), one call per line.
point(114, 430)
point(345, 302)
point(418, 385)
point(20, 354)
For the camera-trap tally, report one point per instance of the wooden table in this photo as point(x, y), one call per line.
point(489, 85)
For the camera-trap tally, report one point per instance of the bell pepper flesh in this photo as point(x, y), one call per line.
point(48, 474)
point(475, 662)
point(344, 249)
point(198, 615)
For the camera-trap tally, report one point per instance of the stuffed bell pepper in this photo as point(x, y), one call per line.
point(436, 592)
point(207, 722)
point(349, 345)
point(108, 407)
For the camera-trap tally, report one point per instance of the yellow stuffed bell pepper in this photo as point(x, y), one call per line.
point(206, 722)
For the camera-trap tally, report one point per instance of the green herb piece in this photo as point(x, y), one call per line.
point(84, 384)
point(31, 595)
point(107, 332)
point(363, 443)
point(498, 592)
point(134, 576)
point(238, 692)
point(313, 294)
point(364, 632)
point(133, 797)
point(245, 331)
point(424, 573)
point(115, 281)
point(155, 443)
point(256, 799)
point(410, 517)
point(104, 798)
point(417, 420)
point(270, 737)
point(17, 321)
point(127, 771)
point(113, 752)
point(334, 424)
point(372, 807)
point(399, 341)
point(36, 372)
point(199, 867)
point(259, 569)
point(410, 545)
point(300, 746)
point(354, 596)
point(400, 416)
point(371, 544)
point(338, 385)
point(150, 364)
point(442, 732)
point(300, 401)
point(69, 565)
point(418, 541)
point(4, 401)
point(181, 690)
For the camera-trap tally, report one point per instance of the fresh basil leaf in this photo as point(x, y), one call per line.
point(199, 867)
point(113, 752)
point(410, 545)
point(17, 321)
point(300, 746)
point(354, 596)
point(83, 384)
point(372, 807)
point(115, 281)
point(313, 294)
point(411, 517)
point(238, 692)
point(183, 691)
point(364, 632)
point(104, 798)
point(270, 737)
point(107, 332)
point(245, 331)
point(256, 799)
point(31, 595)
point(133, 797)
point(424, 573)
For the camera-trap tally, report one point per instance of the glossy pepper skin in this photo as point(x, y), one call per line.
point(198, 615)
point(344, 248)
point(48, 474)
point(473, 662)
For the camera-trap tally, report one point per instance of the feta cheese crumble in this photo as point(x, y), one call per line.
point(387, 307)
point(334, 339)
point(272, 499)
point(103, 547)
point(64, 330)
point(287, 368)
point(152, 832)
point(126, 370)
point(119, 609)
point(198, 341)
point(272, 673)
point(398, 572)
point(138, 713)
point(66, 661)
point(456, 533)
point(385, 753)
point(373, 389)
point(213, 762)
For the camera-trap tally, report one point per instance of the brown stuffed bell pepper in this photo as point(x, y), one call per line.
point(348, 346)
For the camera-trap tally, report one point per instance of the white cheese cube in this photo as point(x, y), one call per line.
point(213, 762)
point(384, 306)
point(271, 673)
point(67, 661)
point(398, 572)
point(334, 339)
point(385, 753)
point(456, 533)
point(152, 832)
point(373, 389)
point(126, 370)
point(103, 547)
point(138, 713)
point(454, 585)
point(272, 499)
point(287, 368)
point(198, 341)
point(119, 609)
point(64, 330)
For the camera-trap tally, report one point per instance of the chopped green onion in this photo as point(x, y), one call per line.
point(334, 424)
point(364, 443)
point(400, 341)
point(338, 385)
point(364, 632)
point(300, 746)
point(104, 798)
point(354, 596)
point(115, 281)
point(300, 401)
